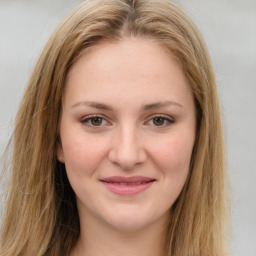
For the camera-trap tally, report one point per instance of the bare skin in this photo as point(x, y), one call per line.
point(127, 112)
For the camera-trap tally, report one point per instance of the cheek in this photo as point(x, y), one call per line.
point(172, 159)
point(173, 156)
point(82, 154)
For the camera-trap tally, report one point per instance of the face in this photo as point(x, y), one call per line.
point(127, 132)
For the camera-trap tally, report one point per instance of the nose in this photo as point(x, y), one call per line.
point(126, 149)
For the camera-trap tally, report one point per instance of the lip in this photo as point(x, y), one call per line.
point(127, 185)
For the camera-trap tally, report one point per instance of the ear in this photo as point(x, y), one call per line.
point(60, 154)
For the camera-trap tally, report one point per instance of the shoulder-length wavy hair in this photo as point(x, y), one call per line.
point(41, 217)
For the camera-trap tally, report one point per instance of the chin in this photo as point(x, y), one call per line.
point(127, 224)
point(129, 220)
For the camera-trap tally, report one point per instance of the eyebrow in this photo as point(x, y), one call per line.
point(160, 105)
point(93, 104)
point(146, 107)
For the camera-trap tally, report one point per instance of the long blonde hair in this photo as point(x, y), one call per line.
point(41, 217)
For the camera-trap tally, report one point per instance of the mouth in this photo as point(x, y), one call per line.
point(127, 185)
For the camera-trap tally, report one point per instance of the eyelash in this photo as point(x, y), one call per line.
point(90, 118)
point(167, 120)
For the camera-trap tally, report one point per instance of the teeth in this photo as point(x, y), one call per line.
point(130, 183)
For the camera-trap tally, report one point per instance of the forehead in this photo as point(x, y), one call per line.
point(125, 68)
point(143, 52)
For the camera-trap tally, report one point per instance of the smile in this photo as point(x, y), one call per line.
point(127, 185)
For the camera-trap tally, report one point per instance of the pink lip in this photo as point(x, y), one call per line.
point(127, 185)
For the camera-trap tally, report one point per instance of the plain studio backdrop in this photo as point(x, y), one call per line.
point(229, 28)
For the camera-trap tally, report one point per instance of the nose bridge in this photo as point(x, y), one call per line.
point(127, 149)
point(128, 141)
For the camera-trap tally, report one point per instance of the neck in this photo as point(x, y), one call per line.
point(97, 239)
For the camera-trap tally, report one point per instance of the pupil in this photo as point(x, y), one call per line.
point(158, 121)
point(96, 121)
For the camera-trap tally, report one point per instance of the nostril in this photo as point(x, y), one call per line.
point(126, 149)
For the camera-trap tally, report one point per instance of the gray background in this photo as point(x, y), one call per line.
point(229, 28)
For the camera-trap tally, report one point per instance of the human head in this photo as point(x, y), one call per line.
point(37, 125)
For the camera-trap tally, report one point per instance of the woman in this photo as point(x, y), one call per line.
point(117, 147)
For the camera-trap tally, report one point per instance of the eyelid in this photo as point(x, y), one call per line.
point(88, 117)
point(167, 118)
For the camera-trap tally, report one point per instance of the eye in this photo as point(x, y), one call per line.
point(94, 121)
point(160, 121)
